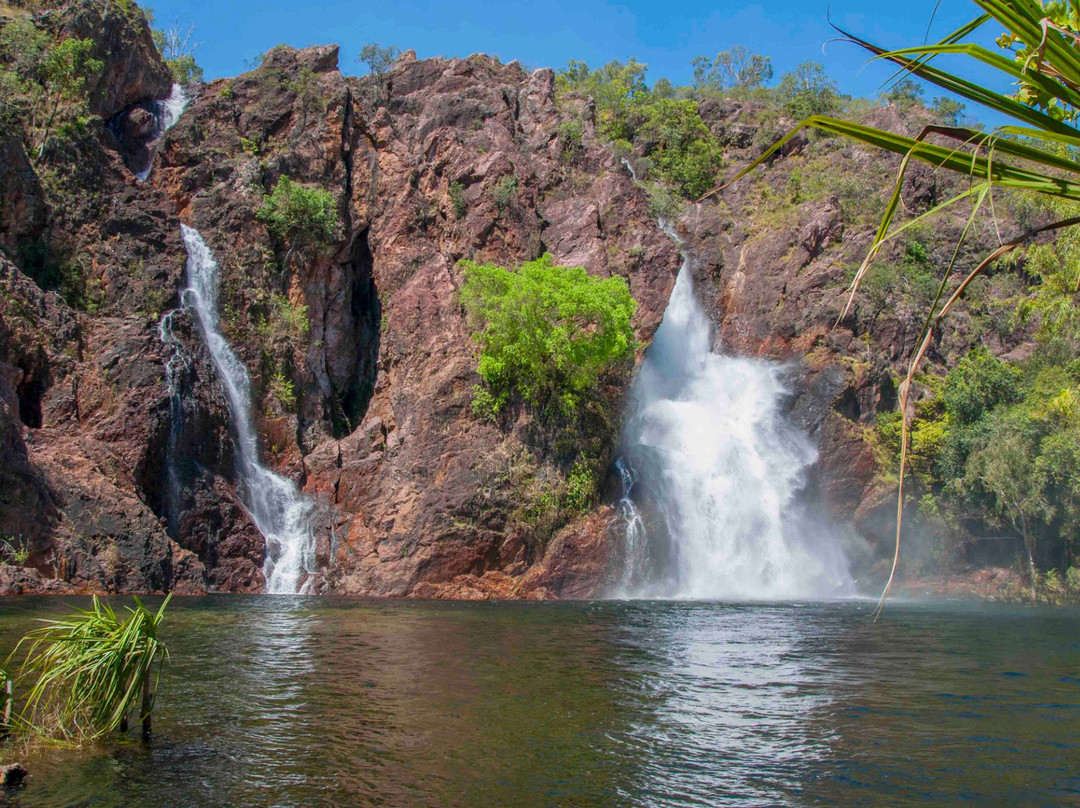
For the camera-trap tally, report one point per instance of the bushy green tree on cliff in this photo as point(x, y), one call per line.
point(298, 216)
point(665, 130)
point(43, 82)
point(546, 333)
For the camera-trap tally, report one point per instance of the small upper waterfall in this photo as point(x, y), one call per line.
point(166, 113)
point(722, 466)
point(277, 507)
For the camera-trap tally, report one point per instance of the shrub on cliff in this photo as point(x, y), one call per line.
point(298, 216)
point(43, 83)
point(547, 333)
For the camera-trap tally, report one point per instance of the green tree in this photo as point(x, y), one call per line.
point(65, 70)
point(1008, 470)
point(947, 111)
point(807, 90)
point(178, 50)
point(672, 134)
point(737, 69)
point(379, 59)
point(608, 85)
point(905, 94)
point(546, 333)
point(979, 383)
point(298, 216)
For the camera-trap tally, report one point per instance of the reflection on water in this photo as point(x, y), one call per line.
point(324, 702)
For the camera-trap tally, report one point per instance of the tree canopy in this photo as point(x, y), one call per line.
point(547, 333)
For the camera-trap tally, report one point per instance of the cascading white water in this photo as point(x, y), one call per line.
point(277, 507)
point(635, 568)
point(166, 113)
point(724, 468)
point(176, 363)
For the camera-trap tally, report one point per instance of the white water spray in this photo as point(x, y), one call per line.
point(277, 507)
point(166, 113)
point(724, 469)
point(174, 368)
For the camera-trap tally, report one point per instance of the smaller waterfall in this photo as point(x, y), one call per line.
point(174, 368)
point(166, 113)
point(277, 507)
point(635, 551)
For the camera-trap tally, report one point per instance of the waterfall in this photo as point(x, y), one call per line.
point(635, 566)
point(277, 507)
point(723, 469)
point(174, 368)
point(166, 113)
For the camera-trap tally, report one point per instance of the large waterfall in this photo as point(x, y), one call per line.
point(277, 507)
point(711, 474)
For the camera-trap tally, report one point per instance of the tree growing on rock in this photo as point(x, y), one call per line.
point(546, 333)
point(297, 216)
point(379, 59)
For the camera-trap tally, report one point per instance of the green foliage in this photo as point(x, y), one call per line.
point(608, 85)
point(905, 94)
point(177, 50)
point(546, 333)
point(281, 388)
point(737, 69)
point(659, 126)
point(1055, 265)
point(571, 136)
point(457, 199)
point(581, 485)
point(1029, 49)
point(14, 549)
point(505, 192)
point(378, 58)
point(663, 204)
point(672, 135)
point(807, 90)
point(1002, 442)
point(43, 83)
point(299, 216)
point(947, 111)
point(88, 670)
point(285, 327)
point(979, 383)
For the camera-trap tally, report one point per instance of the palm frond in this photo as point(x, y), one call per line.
point(87, 670)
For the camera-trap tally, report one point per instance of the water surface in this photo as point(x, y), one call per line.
point(294, 701)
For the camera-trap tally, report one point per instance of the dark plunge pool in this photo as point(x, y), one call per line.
point(294, 701)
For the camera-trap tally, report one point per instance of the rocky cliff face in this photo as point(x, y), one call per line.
point(416, 491)
point(415, 495)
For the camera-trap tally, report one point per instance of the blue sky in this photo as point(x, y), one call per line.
point(665, 35)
